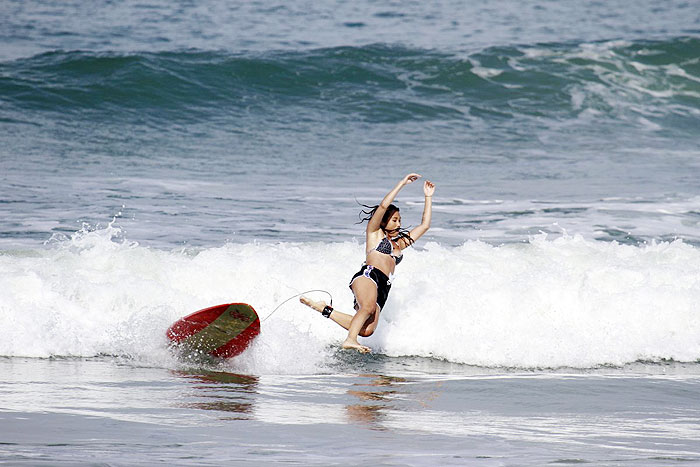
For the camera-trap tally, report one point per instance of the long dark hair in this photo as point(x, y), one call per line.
point(369, 212)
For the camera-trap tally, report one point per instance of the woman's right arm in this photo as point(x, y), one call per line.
point(374, 223)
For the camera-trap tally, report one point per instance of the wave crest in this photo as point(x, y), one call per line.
point(377, 83)
point(567, 302)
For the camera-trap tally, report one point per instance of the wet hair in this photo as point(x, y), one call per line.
point(390, 211)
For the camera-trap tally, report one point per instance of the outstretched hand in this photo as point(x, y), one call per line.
point(428, 188)
point(410, 178)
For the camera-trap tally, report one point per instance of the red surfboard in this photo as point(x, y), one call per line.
point(222, 331)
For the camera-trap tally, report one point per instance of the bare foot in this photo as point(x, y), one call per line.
point(318, 306)
point(349, 344)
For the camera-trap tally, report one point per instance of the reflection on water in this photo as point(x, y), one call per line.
point(523, 410)
point(382, 400)
point(367, 400)
point(221, 391)
point(244, 382)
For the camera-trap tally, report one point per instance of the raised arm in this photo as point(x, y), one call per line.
point(417, 232)
point(374, 223)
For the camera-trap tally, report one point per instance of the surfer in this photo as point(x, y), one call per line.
point(385, 240)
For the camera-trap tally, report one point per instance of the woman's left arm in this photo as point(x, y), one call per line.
point(417, 232)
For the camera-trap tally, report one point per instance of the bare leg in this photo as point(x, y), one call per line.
point(367, 315)
point(343, 319)
point(367, 292)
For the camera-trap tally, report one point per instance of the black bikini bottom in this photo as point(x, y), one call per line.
point(380, 280)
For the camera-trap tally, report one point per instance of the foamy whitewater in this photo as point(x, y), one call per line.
point(161, 157)
point(566, 302)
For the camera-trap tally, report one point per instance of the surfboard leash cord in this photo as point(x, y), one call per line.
point(298, 295)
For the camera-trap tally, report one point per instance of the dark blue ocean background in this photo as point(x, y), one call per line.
point(204, 123)
point(158, 157)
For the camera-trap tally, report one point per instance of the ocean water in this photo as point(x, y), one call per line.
point(161, 157)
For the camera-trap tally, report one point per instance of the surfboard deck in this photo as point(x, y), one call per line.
point(222, 331)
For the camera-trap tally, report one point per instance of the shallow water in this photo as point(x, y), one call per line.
point(416, 412)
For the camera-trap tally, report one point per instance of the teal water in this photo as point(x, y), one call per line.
point(568, 127)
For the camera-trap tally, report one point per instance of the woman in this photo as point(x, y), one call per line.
point(385, 242)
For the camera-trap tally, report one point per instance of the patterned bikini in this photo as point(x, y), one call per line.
point(381, 280)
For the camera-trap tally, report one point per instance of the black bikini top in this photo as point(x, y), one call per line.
point(386, 247)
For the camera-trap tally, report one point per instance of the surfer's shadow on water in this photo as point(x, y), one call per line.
point(351, 359)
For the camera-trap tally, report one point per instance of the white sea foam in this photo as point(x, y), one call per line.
point(486, 73)
point(547, 303)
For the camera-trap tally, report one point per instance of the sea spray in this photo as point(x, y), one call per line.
point(546, 303)
point(567, 302)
